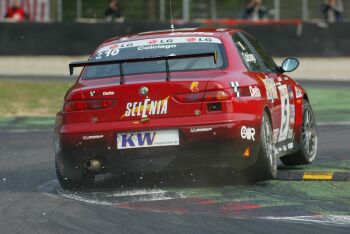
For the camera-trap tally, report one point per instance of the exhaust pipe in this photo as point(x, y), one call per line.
point(93, 165)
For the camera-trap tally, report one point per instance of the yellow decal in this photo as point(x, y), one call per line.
point(194, 87)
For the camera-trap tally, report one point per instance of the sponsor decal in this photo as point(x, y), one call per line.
point(92, 93)
point(292, 115)
point(284, 148)
point(147, 139)
point(194, 130)
point(108, 93)
point(248, 133)
point(290, 145)
point(236, 88)
point(254, 91)
point(191, 33)
point(249, 57)
point(154, 47)
point(290, 134)
point(146, 108)
point(108, 53)
point(285, 112)
point(298, 93)
point(291, 94)
point(270, 86)
point(112, 50)
point(194, 87)
point(93, 137)
point(275, 134)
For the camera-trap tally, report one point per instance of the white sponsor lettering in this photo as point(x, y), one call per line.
point(290, 145)
point(249, 57)
point(254, 91)
point(156, 47)
point(191, 33)
point(151, 42)
point(271, 91)
point(146, 108)
point(108, 93)
point(285, 112)
point(93, 137)
point(248, 133)
point(106, 54)
point(194, 130)
point(290, 134)
point(275, 134)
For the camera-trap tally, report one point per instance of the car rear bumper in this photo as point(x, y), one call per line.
point(218, 145)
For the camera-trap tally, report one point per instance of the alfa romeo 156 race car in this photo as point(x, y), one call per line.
point(182, 99)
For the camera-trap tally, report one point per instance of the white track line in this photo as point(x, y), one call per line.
point(342, 220)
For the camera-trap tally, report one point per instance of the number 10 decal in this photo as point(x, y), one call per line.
point(285, 112)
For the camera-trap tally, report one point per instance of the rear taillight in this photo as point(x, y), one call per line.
point(208, 96)
point(217, 95)
point(88, 105)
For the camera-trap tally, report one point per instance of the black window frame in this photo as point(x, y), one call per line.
point(240, 36)
point(266, 69)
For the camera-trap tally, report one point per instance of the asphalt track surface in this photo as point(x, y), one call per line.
point(31, 200)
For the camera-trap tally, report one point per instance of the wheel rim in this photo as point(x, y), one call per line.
point(309, 136)
point(268, 143)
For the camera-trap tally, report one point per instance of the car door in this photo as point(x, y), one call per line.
point(284, 106)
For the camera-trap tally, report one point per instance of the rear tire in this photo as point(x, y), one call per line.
point(307, 152)
point(73, 183)
point(265, 167)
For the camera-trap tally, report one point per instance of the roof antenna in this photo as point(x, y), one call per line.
point(172, 27)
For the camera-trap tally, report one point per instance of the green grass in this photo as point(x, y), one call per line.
point(31, 98)
point(330, 104)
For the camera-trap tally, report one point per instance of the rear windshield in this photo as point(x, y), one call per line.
point(154, 48)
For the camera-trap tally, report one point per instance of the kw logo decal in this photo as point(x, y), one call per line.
point(137, 139)
point(146, 108)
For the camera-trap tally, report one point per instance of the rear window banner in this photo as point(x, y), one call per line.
point(160, 41)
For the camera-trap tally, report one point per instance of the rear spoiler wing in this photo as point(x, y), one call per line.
point(136, 60)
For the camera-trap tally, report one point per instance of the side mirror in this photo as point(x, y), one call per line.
point(290, 64)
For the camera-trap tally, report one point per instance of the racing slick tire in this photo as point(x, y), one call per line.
point(265, 167)
point(307, 152)
point(71, 183)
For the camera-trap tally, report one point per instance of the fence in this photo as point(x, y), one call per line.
point(158, 10)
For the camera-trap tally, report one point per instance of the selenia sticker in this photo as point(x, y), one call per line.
point(285, 112)
point(146, 108)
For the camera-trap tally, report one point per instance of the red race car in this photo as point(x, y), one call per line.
point(181, 100)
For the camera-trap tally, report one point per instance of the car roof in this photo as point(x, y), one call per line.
point(213, 32)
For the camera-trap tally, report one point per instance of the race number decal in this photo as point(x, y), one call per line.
point(285, 112)
point(271, 91)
